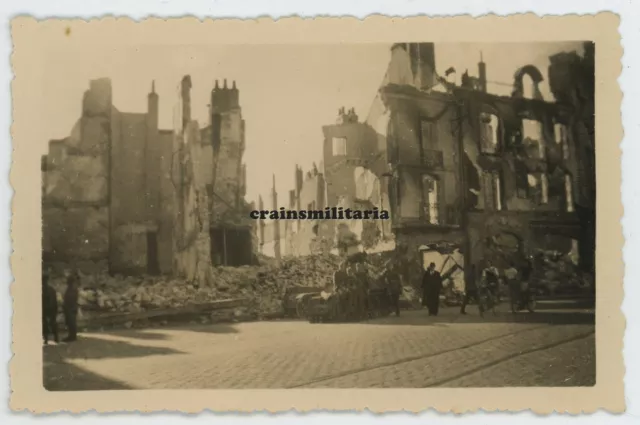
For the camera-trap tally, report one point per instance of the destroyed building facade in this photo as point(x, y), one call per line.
point(122, 194)
point(493, 176)
point(104, 188)
point(468, 175)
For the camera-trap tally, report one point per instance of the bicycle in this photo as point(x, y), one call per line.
point(487, 300)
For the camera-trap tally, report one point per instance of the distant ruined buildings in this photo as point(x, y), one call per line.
point(121, 193)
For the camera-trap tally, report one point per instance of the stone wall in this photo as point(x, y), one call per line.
point(107, 186)
point(75, 212)
point(192, 249)
point(75, 233)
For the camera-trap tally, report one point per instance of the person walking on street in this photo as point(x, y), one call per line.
point(511, 276)
point(431, 287)
point(70, 307)
point(49, 310)
point(490, 278)
point(470, 289)
point(394, 286)
point(362, 280)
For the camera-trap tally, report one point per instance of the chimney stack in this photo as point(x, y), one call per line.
point(186, 100)
point(482, 74)
point(423, 64)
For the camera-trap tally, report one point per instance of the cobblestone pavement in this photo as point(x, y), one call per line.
point(550, 348)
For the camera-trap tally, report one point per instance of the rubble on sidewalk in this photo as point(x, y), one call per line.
point(263, 286)
point(558, 273)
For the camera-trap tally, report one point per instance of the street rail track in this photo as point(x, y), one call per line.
point(421, 357)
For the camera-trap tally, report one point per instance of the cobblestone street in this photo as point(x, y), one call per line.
point(552, 347)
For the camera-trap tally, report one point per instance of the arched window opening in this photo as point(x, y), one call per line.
point(430, 198)
point(568, 187)
point(489, 133)
point(533, 139)
point(538, 188)
point(496, 183)
point(561, 137)
point(528, 87)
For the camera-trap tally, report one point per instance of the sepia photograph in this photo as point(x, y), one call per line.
point(409, 214)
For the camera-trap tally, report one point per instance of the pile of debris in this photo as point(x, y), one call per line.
point(263, 286)
point(558, 273)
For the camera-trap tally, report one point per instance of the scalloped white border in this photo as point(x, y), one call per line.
point(405, 8)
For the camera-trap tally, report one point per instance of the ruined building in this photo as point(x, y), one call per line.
point(343, 179)
point(468, 175)
point(493, 177)
point(121, 193)
point(104, 188)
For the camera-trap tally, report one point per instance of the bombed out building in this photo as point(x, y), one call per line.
point(121, 194)
point(494, 177)
point(467, 175)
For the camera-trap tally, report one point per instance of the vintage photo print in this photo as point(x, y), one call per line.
point(317, 214)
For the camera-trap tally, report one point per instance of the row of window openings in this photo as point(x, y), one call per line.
point(431, 203)
point(489, 136)
point(532, 136)
point(537, 188)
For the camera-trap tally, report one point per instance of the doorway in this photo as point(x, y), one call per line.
point(153, 267)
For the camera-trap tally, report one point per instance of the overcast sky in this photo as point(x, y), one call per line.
point(287, 93)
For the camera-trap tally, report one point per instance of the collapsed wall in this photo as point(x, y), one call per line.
point(263, 286)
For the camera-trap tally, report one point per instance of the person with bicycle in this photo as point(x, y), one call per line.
point(512, 275)
point(490, 279)
point(470, 289)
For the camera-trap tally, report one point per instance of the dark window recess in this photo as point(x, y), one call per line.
point(231, 247)
point(429, 135)
point(522, 181)
point(153, 267)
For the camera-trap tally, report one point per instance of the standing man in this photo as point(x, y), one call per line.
point(49, 310)
point(470, 288)
point(340, 282)
point(511, 276)
point(70, 307)
point(431, 287)
point(394, 286)
point(362, 279)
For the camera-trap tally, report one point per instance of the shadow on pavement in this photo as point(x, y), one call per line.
point(88, 347)
point(63, 376)
point(551, 317)
point(218, 328)
point(138, 334)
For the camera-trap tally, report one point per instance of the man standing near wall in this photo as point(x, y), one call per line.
point(471, 289)
point(431, 287)
point(49, 310)
point(70, 307)
point(394, 286)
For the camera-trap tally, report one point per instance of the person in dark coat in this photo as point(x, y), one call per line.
point(70, 307)
point(393, 279)
point(470, 289)
point(49, 311)
point(431, 287)
point(361, 275)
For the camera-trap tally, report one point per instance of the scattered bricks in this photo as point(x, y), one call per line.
point(263, 286)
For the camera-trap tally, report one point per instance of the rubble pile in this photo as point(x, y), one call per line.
point(558, 273)
point(263, 286)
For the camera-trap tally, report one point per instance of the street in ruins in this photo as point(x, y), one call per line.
point(555, 346)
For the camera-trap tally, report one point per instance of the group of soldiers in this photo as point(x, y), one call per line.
point(354, 282)
point(69, 308)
